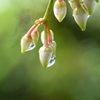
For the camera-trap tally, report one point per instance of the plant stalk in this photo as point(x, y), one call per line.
point(46, 15)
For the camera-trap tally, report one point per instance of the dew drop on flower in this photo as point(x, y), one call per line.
point(32, 46)
point(88, 16)
point(52, 60)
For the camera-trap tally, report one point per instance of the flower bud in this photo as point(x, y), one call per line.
point(72, 4)
point(60, 10)
point(25, 43)
point(89, 5)
point(45, 54)
point(80, 16)
point(42, 36)
point(35, 36)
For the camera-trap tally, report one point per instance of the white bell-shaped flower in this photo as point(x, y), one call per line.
point(80, 16)
point(26, 44)
point(45, 54)
point(35, 36)
point(60, 9)
point(42, 36)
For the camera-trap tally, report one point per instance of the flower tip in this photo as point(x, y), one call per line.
point(45, 66)
point(83, 29)
point(60, 20)
point(22, 51)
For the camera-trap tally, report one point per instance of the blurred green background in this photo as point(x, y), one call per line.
point(76, 73)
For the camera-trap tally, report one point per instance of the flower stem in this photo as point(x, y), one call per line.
point(49, 34)
point(34, 27)
point(46, 15)
point(45, 35)
point(78, 3)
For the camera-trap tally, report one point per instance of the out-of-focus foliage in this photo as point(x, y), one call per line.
point(76, 73)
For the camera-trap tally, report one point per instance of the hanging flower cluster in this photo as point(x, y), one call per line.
point(82, 9)
point(47, 53)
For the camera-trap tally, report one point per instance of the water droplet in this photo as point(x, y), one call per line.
point(88, 16)
point(69, 1)
point(52, 60)
point(32, 46)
